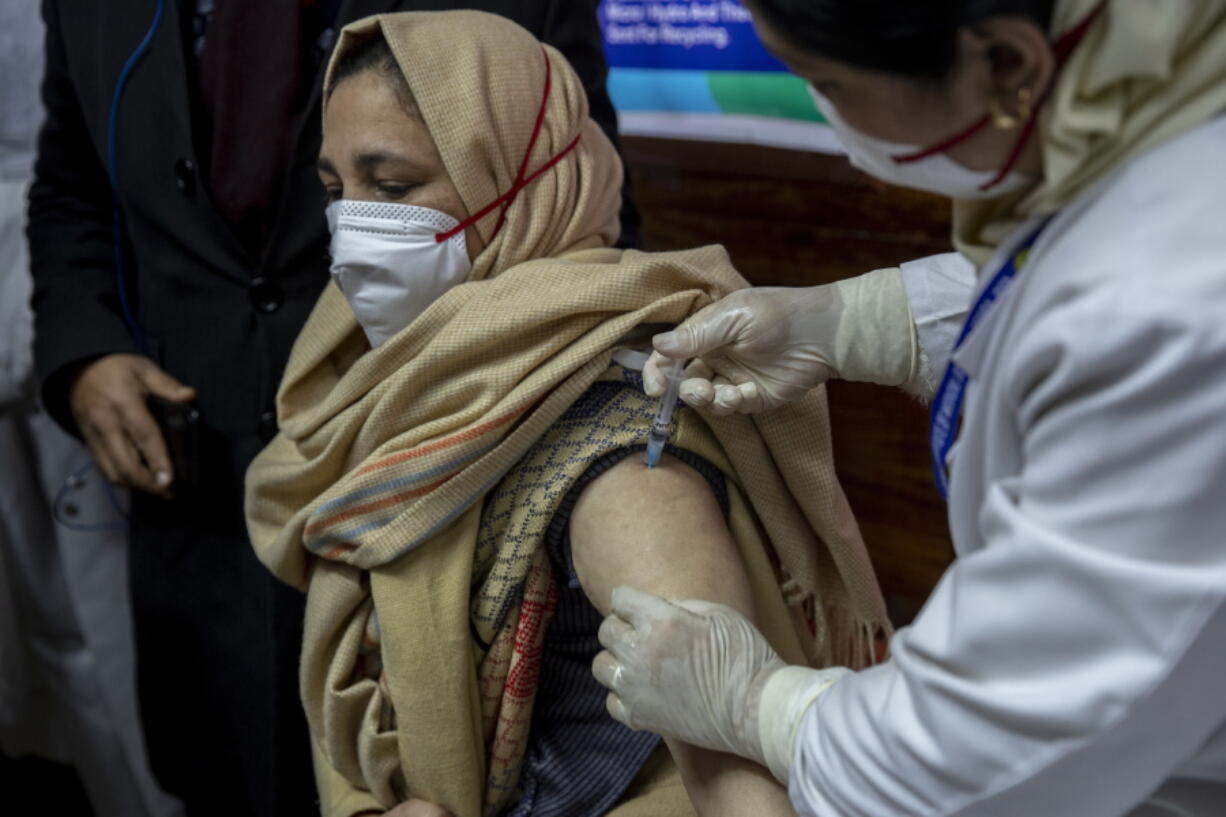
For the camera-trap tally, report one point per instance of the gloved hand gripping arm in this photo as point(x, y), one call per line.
point(702, 673)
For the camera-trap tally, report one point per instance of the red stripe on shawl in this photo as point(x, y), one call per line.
point(524, 676)
point(463, 436)
point(378, 504)
point(339, 551)
point(529, 645)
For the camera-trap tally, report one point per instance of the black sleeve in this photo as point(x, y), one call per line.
point(76, 298)
point(573, 27)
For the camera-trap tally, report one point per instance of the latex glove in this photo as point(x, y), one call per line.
point(702, 673)
point(761, 348)
point(689, 670)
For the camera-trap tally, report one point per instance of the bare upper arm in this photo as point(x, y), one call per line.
point(660, 530)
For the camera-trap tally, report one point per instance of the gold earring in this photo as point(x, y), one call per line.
point(1004, 120)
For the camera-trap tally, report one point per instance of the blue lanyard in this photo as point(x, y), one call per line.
point(947, 404)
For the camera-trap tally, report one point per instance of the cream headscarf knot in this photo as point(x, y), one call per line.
point(1147, 71)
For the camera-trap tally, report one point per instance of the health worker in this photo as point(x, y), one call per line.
point(1072, 661)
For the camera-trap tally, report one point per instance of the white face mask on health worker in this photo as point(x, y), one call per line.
point(936, 173)
point(390, 265)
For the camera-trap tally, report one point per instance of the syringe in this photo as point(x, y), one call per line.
point(663, 422)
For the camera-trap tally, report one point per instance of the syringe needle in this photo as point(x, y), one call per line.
point(662, 423)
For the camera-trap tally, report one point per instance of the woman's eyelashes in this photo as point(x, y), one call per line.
point(382, 191)
point(393, 190)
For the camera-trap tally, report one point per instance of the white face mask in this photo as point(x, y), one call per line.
point(389, 264)
point(936, 173)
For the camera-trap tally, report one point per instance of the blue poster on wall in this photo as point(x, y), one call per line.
point(716, 35)
point(696, 69)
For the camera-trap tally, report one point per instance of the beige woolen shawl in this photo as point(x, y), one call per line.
point(371, 495)
point(1147, 71)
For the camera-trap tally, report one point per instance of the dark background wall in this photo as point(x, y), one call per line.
point(794, 219)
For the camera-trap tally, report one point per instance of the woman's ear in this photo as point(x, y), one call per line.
point(1020, 63)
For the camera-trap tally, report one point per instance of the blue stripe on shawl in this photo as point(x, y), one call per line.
point(400, 482)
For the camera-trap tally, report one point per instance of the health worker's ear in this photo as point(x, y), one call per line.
point(1016, 61)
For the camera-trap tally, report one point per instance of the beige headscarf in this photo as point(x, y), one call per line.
point(1147, 71)
point(481, 106)
point(372, 494)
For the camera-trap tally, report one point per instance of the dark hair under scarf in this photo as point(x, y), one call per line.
point(916, 38)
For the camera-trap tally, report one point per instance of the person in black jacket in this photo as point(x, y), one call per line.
point(222, 251)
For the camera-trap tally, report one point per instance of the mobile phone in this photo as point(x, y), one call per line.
point(180, 424)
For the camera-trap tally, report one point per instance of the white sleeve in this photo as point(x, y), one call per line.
point(939, 291)
point(1075, 660)
point(16, 320)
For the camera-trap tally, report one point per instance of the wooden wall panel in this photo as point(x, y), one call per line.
point(794, 219)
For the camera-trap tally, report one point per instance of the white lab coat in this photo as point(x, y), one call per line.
point(67, 674)
point(67, 671)
point(1072, 661)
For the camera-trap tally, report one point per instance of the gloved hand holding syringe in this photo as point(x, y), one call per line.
point(761, 348)
point(662, 424)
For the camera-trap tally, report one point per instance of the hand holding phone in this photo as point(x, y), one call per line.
point(108, 400)
point(180, 424)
